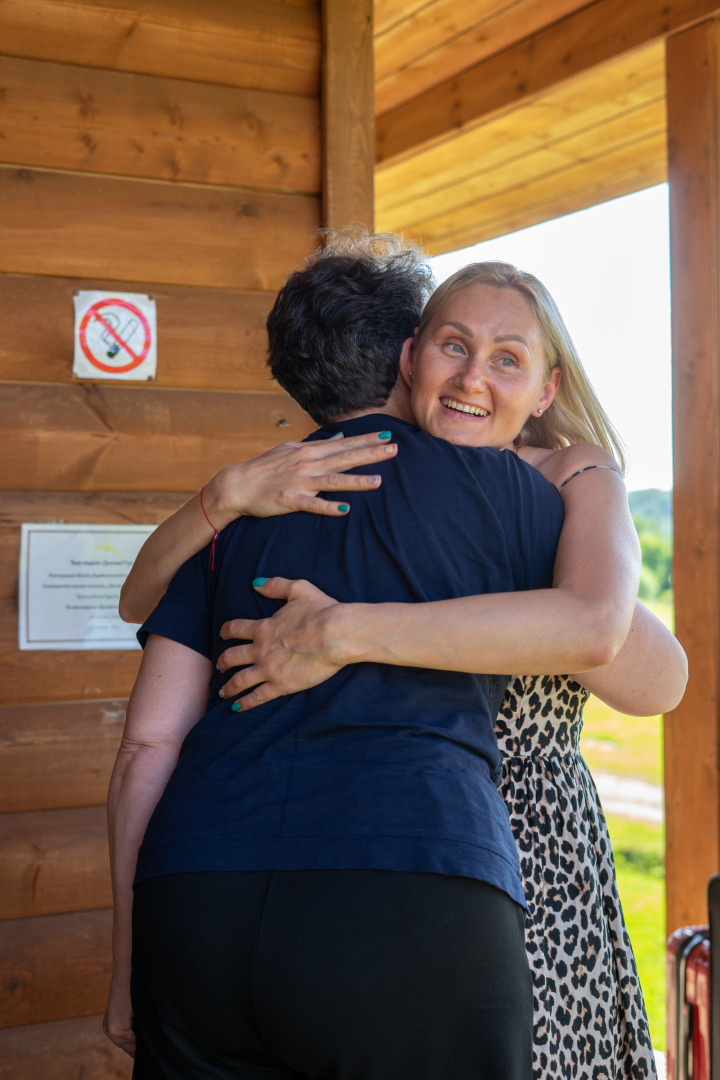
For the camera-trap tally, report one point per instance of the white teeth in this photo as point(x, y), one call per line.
point(473, 410)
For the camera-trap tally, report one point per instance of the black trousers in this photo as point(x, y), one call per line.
point(330, 975)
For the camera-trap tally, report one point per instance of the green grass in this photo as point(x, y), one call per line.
point(639, 851)
point(632, 746)
point(624, 745)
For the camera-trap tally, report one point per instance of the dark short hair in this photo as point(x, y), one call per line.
point(337, 327)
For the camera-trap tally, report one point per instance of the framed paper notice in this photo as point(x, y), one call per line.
point(70, 580)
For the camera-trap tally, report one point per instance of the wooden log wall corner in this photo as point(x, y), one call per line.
point(173, 149)
point(692, 731)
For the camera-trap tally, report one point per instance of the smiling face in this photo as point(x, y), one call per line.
point(478, 369)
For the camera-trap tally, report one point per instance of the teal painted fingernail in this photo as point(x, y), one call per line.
point(385, 435)
point(258, 581)
point(343, 508)
point(235, 707)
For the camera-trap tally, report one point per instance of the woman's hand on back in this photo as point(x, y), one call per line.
point(291, 476)
point(295, 649)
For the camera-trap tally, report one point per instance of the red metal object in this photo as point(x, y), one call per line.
point(693, 998)
point(684, 1046)
point(697, 998)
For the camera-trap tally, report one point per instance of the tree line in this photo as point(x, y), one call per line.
point(652, 513)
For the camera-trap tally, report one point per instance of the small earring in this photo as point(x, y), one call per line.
point(539, 412)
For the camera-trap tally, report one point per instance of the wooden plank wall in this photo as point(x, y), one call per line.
point(170, 147)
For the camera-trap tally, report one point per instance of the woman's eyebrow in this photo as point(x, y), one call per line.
point(512, 337)
point(458, 326)
point(500, 339)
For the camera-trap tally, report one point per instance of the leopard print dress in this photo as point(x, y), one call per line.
point(589, 1016)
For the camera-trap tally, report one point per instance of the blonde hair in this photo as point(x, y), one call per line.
point(575, 415)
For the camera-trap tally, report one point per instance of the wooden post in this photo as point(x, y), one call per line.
point(692, 730)
point(348, 113)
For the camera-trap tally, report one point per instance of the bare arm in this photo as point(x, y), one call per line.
point(649, 673)
point(647, 676)
point(169, 697)
point(587, 612)
point(579, 624)
point(284, 479)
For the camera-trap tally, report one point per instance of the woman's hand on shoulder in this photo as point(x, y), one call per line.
point(290, 477)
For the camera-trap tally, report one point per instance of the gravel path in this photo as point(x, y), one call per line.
point(640, 801)
point(629, 798)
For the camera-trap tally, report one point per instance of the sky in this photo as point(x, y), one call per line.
point(608, 269)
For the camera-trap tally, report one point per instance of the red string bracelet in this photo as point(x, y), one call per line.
point(215, 532)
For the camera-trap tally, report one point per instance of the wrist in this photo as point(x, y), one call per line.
point(349, 634)
point(218, 496)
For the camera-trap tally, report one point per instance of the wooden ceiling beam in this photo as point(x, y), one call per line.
point(583, 40)
point(592, 152)
point(622, 169)
point(420, 49)
point(585, 105)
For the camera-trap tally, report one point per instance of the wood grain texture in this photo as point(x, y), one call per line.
point(58, 756)
point(601, 149)
point(638, 164)
point(348, 113)
point(61, 1050)
point(388, 12)
point(207, 338)
point(104, 437)
point(54, 861)
point(70, 224)
point(591, 36)
point(576, 109)
point(692, 731)
point(39, 676)
point(420, 45)
point(86, 119)
point(93, 508)
point(265, 44)
point(54, 967)
point(519, 215)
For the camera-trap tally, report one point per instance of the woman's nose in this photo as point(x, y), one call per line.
point(472, 376)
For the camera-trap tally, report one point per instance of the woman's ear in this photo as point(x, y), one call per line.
point(407, 363)
point(549, 391)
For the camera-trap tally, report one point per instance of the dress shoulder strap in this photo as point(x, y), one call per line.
point(585, 469)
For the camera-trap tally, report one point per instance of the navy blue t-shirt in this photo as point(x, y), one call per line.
point(380, 767)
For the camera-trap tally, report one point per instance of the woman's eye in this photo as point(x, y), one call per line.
point(456, 348)
point(508, 362)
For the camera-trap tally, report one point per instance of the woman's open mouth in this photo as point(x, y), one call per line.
point(469, 410)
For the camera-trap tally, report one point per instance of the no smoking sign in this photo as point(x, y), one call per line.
point(115, 336)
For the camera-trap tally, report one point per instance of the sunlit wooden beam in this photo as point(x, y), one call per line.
point(692, 731)
point(591, 36)
point(348, 113)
